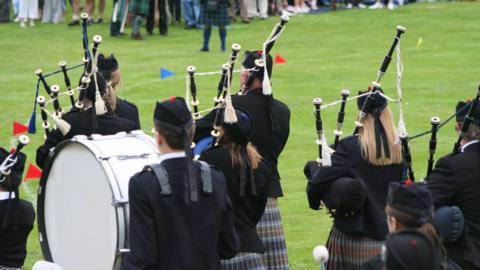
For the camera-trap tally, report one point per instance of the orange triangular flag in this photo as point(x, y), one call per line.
point(33, 172)
point(19, 128)
point(279, 59)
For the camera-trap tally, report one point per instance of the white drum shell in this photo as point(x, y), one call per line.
point(83, 199)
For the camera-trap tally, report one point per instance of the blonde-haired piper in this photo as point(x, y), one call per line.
point(372, 157)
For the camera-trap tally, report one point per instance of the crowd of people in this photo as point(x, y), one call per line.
point(195, 14)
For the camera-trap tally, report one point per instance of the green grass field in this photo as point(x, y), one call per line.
point(325, 54)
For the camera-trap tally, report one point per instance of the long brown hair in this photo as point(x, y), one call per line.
point(236, 150)
point(367, 140)
point(408, 221)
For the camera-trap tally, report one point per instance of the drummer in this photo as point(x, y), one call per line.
point(179, 220)
point(16, 215)
point(81, 122)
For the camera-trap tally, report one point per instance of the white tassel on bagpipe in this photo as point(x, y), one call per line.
point(327, 152)
point(266, 84)
point(230, 115)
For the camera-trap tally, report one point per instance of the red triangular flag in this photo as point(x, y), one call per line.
point(19, 128)
point(279, 59)
point(33, 172)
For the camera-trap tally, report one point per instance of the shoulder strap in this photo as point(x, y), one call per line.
point(206, 175)
point(162, 178)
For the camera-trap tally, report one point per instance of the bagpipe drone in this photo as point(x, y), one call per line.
point(54, 93)
point(224, 110)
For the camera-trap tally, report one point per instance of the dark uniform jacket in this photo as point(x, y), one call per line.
point(456, 181)
point(249, 208)
point(13, 239)
point(127, 110)
point(376, 264)
point(168, 234)
point(81, 124)
point(347, 161)
point(271, 128)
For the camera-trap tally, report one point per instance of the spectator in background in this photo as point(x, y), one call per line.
point(175, 10)
point(191, 13)
point(53, 11)
point(239, 6)
point(76, 13)
point(214, 12)
point(28, 10)
point(257, 8)
point(91, 11)
point(119, 17)
point(379, 4)
point(139, 9)
point(162, 24)
point(5, 11)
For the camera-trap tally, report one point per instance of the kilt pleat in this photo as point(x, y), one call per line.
point(244, 261)
point(218, 17)
point(138, 6)
point(270, 231)
point(349, 252)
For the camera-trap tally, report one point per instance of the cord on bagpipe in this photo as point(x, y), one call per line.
point(63, 69)
point(376, 83)
point(54, 94)
point(324, 151)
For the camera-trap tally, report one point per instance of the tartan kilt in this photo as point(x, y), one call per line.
point(138, 6)
point(244, 261)
point(270, 231)
point(218, 17)
point(349, 252)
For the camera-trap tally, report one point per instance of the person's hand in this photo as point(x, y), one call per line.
point(311, 167)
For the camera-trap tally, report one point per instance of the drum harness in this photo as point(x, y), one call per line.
point(166, 189)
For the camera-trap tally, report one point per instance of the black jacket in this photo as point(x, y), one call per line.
point(127, 110)
point(81, 124)
point(249, 208)
point(272, 128)
point(456, 181)
point(347, 160)
point(167, 234)
point(376, 264)
point(13, 239)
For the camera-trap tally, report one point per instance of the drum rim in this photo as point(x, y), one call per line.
point(41, 199)
point(44, 243)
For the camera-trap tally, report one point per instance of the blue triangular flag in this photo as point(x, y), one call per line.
point(165, 73)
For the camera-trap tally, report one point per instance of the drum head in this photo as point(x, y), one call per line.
point(77, 211)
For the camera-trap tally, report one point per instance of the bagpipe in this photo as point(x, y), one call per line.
point(325, 150)
point(11, 159)
point(54, 93)
point(223, 107)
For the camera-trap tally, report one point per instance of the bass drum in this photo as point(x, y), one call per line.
point(83, 199)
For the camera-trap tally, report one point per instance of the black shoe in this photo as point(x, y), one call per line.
point(150, 33)
point(204, 49)
point(163, 34)
point(74, 22)
point(99, 20)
